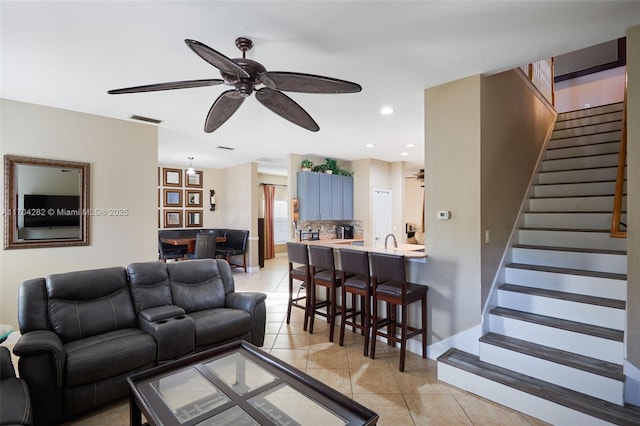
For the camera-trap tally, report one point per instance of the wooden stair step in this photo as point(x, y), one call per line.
point(570, 297)
point(570, 271)
point(594, 407)
point(570, 249)
point(573, 326)
point(570, 359)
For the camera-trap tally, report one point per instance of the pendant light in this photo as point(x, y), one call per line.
point(190, 170)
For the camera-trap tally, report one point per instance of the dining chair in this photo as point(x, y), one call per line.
point(299, 270)
point(356, 280)
point(390, 285)
point(324, 274)
point(205, 246)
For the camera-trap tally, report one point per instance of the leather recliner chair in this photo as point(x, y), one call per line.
point(15, 404)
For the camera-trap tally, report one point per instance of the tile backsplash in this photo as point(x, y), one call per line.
point(328, 228)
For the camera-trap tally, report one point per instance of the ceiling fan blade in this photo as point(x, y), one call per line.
point(187, 84)
point(223, 108)
point(216, 59)
point(307, 83)
point(286, 108)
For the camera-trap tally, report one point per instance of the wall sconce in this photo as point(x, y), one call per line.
point(212, 199)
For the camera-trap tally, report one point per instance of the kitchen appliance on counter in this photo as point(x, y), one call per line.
point(309, 235)
point(340, 232)
point(347, 232)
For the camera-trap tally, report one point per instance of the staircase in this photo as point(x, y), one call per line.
point(554, 349)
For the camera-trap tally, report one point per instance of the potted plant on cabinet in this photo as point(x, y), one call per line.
point(306, 165)
point(331, 166)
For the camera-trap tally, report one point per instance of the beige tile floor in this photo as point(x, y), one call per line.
point(414, 397)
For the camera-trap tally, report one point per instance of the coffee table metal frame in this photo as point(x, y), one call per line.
point(146, 399)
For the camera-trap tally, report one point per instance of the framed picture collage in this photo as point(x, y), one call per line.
point(179, 198)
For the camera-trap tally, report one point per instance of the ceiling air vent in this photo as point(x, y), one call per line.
point(225, 147)
point(145, 119)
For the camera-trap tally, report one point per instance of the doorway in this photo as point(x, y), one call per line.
point(381, 216)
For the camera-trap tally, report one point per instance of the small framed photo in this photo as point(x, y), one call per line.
point(193, 198)
point(171, 177)
point(172, 197)
point(194, 218)
point(173, 218)
point(193, 180)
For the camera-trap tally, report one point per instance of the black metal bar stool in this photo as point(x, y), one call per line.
point(356, 280)
point(390, 285)
point(324, 274)
point(299, 269)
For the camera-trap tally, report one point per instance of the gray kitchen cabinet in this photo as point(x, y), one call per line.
point(325, 197)
point(309, 196)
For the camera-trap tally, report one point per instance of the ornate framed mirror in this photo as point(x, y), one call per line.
point(46, 203)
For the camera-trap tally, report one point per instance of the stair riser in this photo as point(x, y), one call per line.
point(587, 175)
point(599, 262)
point(590, 120)
point(590, 112)
point(607, 160)
point(578, 380)
point(569, 220)
point(587, 240)
point(585, 140)
point(578, 284)
point(583, 344)
point(579, 151)
point(575, 204)
point(581, 312)
point(518, 400)
point(575, 189)
point(587, 130)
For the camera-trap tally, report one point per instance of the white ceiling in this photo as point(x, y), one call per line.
point(67, 54)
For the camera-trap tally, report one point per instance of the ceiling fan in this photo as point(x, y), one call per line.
point(419, 176)
point(245, 75)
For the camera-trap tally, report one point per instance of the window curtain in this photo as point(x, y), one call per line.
point(269, 198)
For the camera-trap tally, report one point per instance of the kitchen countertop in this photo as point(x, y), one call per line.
point(415, 251)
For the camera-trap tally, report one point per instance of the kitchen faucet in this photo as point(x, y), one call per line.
point(395, 242)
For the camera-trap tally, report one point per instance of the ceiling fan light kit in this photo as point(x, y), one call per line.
point(245, 75)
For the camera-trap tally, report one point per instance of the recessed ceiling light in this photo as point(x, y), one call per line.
point(386, 110)
point(411, 145)
point(369, 145)
point(404, 153)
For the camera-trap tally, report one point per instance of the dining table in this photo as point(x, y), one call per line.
point(190, 242)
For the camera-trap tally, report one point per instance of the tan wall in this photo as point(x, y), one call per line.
point(515, 124)
point(123, 158)
point(601, 88)
point(452, 137)
point(633, 197)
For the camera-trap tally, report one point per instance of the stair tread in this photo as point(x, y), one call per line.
point(557, 270)
point(570, 212)
point(592, 406)
point(614, 140)
point(580, 156)
point(558, 356)
point(580, 136)
point(581, 168)
point(578, 182)
point(572, 249)
point(570, 297)
point(593, 231)
point(548, 197)
point(612, 105)
point(573, 326)
point(617, 120)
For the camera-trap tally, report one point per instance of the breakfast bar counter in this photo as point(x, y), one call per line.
point(410, 251)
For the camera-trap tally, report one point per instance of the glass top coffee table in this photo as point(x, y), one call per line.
point(238, 384)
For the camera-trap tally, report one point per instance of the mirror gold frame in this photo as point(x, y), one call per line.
point(12, 211)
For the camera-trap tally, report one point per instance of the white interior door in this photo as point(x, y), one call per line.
point(381, 216)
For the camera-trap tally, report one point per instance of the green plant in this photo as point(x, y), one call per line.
point(331, 164)
point(306, 164)
point(320, 168)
